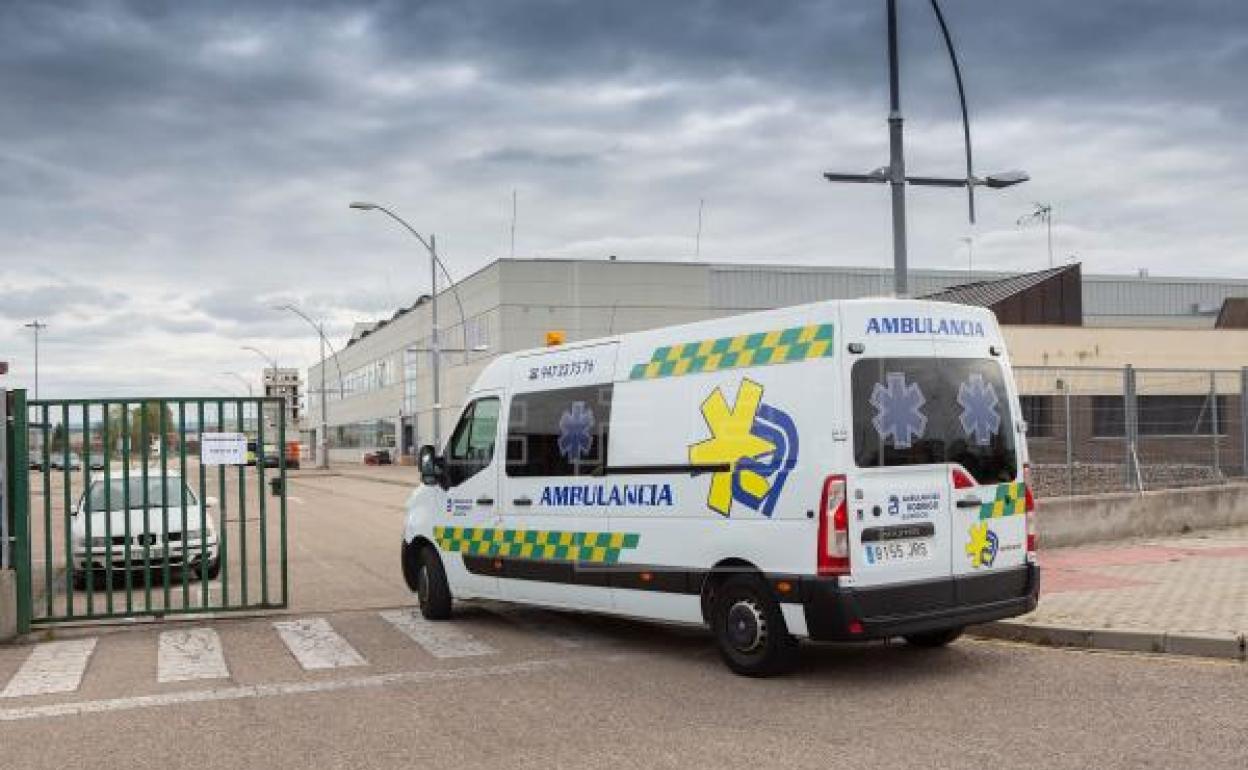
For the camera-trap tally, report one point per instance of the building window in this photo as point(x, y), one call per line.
point(1161, 416)
point(559, 432)
point(1038, 414)
point(357, 435)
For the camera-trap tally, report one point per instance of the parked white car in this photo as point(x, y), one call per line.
point(122, 530)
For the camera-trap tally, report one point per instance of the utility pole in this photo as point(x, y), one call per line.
point(895, 172)
point(896, 158)
point(37, 326)
point(437, 353)
point(970, 256)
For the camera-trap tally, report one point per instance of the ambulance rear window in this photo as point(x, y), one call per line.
point(922, 411)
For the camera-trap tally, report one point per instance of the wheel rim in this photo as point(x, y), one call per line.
point(745, 626)
point(422, 584)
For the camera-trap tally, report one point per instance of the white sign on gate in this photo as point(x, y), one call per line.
point(223, 448)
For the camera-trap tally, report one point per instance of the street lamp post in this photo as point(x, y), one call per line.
point(895, 172)
point(434, 265)
point(38, 327)
point(319, 328)
point(272, 362)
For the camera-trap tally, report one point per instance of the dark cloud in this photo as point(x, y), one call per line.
point(192, 162)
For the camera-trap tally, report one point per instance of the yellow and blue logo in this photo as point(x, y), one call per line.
point(757, 442)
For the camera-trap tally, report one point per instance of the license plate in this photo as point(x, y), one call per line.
point(897, 551)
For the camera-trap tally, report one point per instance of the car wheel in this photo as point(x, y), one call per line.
point(749, 628)
point(80, 580)
point(432, 588)
point(934, 638)
point(214, 569)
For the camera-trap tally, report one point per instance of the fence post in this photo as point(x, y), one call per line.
point(1243, 419)
point(1214, 424)
point(1134, 475)
point(18, 496)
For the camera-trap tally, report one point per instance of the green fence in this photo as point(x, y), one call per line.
point(119, 511)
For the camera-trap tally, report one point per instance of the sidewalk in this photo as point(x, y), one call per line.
point(1183, 595)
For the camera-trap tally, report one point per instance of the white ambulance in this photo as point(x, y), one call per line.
point(838, 471)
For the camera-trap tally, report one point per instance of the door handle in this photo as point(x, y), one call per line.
point(970, 502)
point(485, 501)
point(523, 501)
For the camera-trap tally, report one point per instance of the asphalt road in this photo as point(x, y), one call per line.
point(507, 687)
point(609, 693)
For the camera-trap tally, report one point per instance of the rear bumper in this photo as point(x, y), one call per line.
point(832, 609)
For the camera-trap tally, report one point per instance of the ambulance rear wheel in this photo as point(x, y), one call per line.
point(934, 638)
point(432, 589)
point(749, 628)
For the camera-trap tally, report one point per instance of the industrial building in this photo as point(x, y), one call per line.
point(1056, 318)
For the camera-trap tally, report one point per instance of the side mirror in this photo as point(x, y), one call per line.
point(430, 465)
point(210, 502)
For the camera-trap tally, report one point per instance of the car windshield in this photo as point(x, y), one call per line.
point(117, 490)
point(919, 411)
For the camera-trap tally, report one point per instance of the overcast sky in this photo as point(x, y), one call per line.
point(170, 170)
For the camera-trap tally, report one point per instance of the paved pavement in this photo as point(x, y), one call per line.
point(351, 677)
point(1185, 594)
point(500, 686)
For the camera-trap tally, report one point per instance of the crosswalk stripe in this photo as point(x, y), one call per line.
point(52, 667)
point(440, 640)
point(316, 645)
point(191, 653)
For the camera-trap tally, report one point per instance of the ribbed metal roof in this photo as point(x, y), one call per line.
point(989, 293)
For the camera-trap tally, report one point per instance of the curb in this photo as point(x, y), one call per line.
point(1224, 646)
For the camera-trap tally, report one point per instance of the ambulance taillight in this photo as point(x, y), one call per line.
point(833, 557)
point(1029, 506)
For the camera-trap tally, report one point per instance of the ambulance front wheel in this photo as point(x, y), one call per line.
point(749, 628)
point(432, 589)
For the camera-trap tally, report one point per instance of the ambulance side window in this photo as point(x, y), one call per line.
point(472, 443)
point(559, 432)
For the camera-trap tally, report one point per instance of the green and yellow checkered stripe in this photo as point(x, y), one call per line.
point(546, 545)
point(1011, 500)
point(780, 346)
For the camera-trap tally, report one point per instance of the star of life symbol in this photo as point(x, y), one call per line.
point(978, 399)
point(576, 426)
point(898, 410)
point(758, 442)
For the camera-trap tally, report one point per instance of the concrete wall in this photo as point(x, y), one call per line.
point(1067, 521)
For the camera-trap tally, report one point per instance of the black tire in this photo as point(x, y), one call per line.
point(432, 589)
point(931, 639)
point(749, 628)
point(214, 569)
point(80, 580)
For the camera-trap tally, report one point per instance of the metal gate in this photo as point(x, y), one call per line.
point(125, 508)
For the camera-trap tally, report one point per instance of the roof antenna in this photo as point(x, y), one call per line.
point(513, 223)
point(697, 243)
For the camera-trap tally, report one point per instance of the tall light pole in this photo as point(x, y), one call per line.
point(322, 460)
point(895, 172)
point(970, 256)
point(38, 327)
point(271, 361)
point(434, 264)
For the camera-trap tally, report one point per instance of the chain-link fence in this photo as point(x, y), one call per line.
point(1103, 430)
